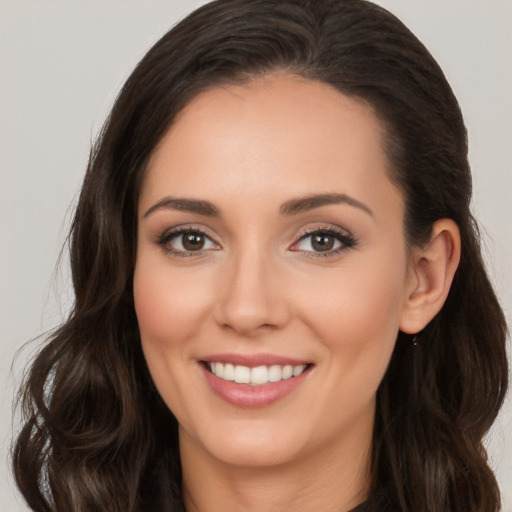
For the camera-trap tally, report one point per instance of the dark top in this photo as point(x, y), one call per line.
point(381, 501)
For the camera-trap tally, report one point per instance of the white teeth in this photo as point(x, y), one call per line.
point(219, 369)
point(255, 376)
point(242, 374)
point(274, 373)
point(229, 372)
point(297, 370)
point(259, 375)
point(287, 371)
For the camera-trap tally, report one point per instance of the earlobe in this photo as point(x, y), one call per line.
point(431, 274)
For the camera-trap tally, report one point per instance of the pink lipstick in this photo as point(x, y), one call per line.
point(253, 380)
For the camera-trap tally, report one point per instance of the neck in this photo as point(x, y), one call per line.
point(333, 479)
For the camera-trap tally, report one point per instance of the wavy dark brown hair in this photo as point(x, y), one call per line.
point(96, 436)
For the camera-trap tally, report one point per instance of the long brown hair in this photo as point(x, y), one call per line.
point(96, 435)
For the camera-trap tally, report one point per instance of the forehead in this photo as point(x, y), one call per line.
point(279, 134)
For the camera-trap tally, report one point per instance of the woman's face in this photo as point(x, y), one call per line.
point(271, 242)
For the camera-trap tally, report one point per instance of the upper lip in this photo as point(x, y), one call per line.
point(253, 360)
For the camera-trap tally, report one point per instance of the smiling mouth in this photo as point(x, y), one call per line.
point(254, 376)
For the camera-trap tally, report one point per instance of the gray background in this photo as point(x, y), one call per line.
point(61, 65)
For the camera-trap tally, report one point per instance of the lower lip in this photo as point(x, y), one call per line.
point(245, 395)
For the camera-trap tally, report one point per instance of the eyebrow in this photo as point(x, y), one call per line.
point(292, 207)
point(185, 205)
point(303, 204)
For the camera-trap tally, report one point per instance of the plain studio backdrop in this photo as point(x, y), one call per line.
point(62, 63)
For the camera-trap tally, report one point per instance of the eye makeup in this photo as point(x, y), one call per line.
point(186, 241)
point(324, 242)
point(190, 241)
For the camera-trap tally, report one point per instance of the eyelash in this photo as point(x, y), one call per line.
point(346, 240)
point(164, 239)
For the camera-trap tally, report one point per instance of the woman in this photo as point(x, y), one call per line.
point(280, 298)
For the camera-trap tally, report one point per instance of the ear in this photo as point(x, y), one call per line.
point(431, 272)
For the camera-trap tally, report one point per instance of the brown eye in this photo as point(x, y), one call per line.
point(322, 242)
point(193, 241)
point(186, 241)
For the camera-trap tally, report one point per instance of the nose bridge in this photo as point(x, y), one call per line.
point(250, 297)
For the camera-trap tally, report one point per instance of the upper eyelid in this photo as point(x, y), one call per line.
point(345, 237)
point(186, 228)
point(324, 229)
point(342, 233)
point(164, 237)
point(169, 233)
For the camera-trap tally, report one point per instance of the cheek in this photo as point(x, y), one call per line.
point(168, 306)
point(169, 311)
point(362, 297)
point(356, 319)
point(357, 313)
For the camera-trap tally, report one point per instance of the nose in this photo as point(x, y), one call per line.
point(251, 297)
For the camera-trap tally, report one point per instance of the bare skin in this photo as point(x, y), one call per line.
point(211, 485)
point(234, 257)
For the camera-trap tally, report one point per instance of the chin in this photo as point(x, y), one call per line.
point(254, 446)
